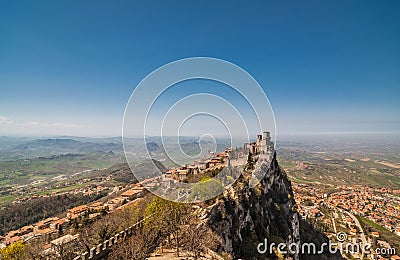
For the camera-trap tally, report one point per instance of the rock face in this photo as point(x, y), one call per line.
point(243, 217)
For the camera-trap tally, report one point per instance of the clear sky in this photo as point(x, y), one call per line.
point(69, 67)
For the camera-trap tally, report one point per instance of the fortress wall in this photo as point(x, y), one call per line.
point(104, 248)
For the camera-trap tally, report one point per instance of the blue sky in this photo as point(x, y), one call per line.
point(327, 66)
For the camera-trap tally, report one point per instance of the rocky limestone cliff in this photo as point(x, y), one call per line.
point(243, 217)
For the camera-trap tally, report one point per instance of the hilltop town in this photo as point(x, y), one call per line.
point(210, 162)
point(120, 197)
point(262, 145)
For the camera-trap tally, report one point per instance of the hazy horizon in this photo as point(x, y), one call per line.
point(285, 137)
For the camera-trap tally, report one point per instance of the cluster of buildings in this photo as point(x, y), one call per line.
point(262, 145)
point(26, 233)
point(34, 187)
point(84, 190)
point(377, 205)
point(131, 195)
point(213, 161)
point(308, 198)
point(380, 205)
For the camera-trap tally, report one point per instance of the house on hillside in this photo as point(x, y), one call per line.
point(132, 193)
point(77, 211)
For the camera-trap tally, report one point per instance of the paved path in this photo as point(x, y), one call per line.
point(363, 239)
point(362, 235)
point(168, 254)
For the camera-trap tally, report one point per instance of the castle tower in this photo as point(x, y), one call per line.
point(267, 137)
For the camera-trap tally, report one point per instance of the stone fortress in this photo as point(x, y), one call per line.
point(263, 145)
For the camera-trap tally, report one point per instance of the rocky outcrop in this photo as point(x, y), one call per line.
point(243, 217)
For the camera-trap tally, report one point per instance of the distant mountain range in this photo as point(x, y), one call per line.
point(16, 148)
point(65, 146)
point(54, 146)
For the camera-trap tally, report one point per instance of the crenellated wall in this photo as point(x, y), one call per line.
point(104, 248)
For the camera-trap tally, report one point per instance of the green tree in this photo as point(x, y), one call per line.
point(106, 231)
point(207, 188)
point(15, 251)
point(167, 217)
point(308, 202)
